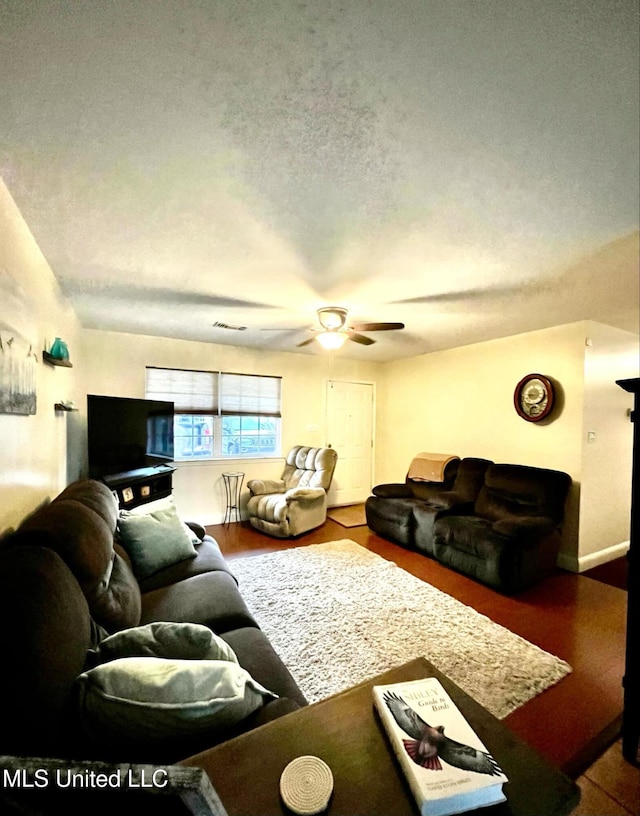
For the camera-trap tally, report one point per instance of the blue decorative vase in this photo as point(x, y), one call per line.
point(59, 349)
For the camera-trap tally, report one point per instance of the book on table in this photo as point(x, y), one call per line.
point(448, 768)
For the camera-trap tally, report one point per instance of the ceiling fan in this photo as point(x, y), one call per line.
point(334, 331)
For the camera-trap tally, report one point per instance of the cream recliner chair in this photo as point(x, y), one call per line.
point(298, 501)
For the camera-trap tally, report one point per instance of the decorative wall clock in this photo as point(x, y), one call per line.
point(534, 397)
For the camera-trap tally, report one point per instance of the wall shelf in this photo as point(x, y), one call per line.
point(55, 361)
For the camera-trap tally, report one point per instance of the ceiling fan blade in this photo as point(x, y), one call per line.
point(360, 338)
point(305, 342)
point(377, 326)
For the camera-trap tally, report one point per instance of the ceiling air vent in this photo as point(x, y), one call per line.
point(217, 325)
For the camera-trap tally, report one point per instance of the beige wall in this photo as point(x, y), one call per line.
point(605, 498)
point(32, 448)
point(114, 364)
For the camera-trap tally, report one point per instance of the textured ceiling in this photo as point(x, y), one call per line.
point(468, 168)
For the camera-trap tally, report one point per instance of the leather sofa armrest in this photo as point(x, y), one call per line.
point(393, 491)
point(260, 487)
point(304, 494)
point(198, 529)
point(524, 526)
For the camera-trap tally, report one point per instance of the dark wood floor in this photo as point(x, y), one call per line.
point(575, 617)
point(615, 573)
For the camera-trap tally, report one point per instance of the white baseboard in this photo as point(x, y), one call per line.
point(587, 562)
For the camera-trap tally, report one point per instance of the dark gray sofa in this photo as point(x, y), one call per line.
point(497, 523)
point(66, 584)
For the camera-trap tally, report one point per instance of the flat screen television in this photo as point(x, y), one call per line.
point(128, 434)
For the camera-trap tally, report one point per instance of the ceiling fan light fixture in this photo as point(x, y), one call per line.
point(332, 317)
point(331, 340)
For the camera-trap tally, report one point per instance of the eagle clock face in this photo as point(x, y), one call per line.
point(534, 397)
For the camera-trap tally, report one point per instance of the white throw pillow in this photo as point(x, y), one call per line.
point(134, 701)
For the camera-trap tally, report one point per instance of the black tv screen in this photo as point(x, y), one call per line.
point(127, 434)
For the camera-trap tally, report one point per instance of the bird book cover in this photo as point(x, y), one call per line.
point(446, 765)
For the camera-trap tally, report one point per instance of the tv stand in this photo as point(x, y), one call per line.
point(136, 487)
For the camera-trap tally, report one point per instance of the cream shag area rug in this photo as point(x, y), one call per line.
point(338, 614)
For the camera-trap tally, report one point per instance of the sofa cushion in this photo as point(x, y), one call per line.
point(116, 604)
point(134, 704)
point(468, 483)
point(185, 641)
point(155, 540)
point(468, 534)
point(44, 639)
point(79, 525)
point(524, 528)
point(208, 558)
point(256, 654)
point(508, 563)
point(211, 599)
point(95, 495)
point(520, 490)
point(79, 535)
point(484, 563)
point(391, 518)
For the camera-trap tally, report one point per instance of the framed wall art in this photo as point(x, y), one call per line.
point(17, 373)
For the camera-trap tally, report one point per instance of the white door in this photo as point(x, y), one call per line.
point(350, 432)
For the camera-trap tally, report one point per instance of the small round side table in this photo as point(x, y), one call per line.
point(233, 487)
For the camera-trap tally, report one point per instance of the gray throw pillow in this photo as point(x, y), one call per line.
point(185, 641)
point(134, 701)
point(154, 540)
point(160, 504)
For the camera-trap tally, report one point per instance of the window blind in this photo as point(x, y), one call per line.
point(249, 395)
point(213, 392)
point(193, 392)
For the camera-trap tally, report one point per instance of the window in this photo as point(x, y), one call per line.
point(193, 436)
point(246, 435)
point(218, 414)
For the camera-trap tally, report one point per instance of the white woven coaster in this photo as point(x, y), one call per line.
point(306, 785)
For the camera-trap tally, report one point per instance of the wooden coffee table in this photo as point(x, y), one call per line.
point(345, 732)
